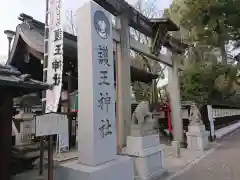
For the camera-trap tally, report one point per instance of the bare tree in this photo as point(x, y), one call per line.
point(70, 26)
point(149, 9)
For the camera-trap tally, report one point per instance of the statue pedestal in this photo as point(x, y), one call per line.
point(197, 137)
point(141, 131)
point(147, 154)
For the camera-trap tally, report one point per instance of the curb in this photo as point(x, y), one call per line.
point(229, 133)
point(189, 165)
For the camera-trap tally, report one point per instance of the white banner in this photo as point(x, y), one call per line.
point(55, 55)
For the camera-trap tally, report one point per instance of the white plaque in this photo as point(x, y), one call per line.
point(26, 130)
point(50, 124)
point(96, 91)
point(62, 144)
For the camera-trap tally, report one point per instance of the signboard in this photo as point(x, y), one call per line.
point(96, 119)
point(62, 144)
point(26, 130)
point(55, 55)
point(50, 124)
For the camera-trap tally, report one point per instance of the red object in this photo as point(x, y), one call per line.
point(166, 108)
point(169, 119)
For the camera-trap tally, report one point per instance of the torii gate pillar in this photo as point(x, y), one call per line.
point(175, 101)
point(123, 81)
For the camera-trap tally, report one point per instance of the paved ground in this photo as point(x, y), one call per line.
point(222, 164)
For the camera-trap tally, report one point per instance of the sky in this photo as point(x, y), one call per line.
point(10, 10)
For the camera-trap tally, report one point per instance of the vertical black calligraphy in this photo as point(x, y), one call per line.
point(58, 12)
point(56, 64)
point(56, 79)
point(105, 128)
point(104, 78)
point(58, 34)
point(103, 55)
point(104, 100)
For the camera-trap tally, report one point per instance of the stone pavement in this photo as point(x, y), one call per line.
point(175, 166)
point(171, 163)
point(222, 164)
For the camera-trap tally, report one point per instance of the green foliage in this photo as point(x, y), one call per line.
point(207, 84)
point(208, 26)
point(209, 22)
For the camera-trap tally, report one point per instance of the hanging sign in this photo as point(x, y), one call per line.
point(62, 144)
point(55, 56)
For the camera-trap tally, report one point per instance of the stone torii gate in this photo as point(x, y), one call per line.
point(157, 30)
point(96, 122)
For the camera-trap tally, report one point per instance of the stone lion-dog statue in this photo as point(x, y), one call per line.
point(143, 123)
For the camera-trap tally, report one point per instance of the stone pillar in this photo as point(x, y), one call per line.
point(123, 82)
point(97, 141)
point(6, 112)
point(175, 100)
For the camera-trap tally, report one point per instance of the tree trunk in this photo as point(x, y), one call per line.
point(223, 53)
point(155, 91)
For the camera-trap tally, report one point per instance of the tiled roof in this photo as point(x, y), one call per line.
point(32, 32)
point(12, 78)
